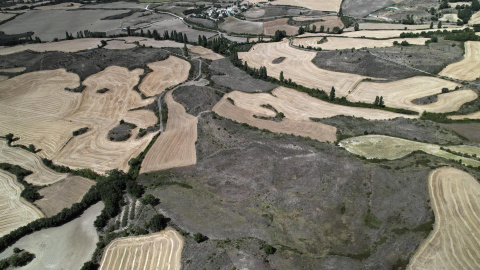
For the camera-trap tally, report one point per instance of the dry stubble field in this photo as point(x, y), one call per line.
point(298, 66)
point(176, 146)
point(391, 148)
point(162, 250)
point(469, 68)
point(338, 43)
point(323, 5)
point(400, 94)
point(454, 242)
point(165, 73)
point(14, 210)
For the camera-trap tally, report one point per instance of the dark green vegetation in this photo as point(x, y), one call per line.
point(80, 131)
point(122, 132)
point(30, 192)
point(19, 258)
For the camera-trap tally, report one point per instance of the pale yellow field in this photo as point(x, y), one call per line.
point(14, 210)
point(454, 242)
point(475, 18)
point(29, 111)
point(475, 115)
point(469, 68)
point(62, 46)
point(298, 109)
point(101, 113)
point(162, 250)
point(63, 194)
point(298, 66)
point(176, 146)
point(199, 51)
point(13, 70)
point(453, 17)
point(399, 94)
point(338, 43)
point(391, 148)
point(119, 45)
point(41, 174)
point(165, 73)
point(270, 27)
point(323, 5)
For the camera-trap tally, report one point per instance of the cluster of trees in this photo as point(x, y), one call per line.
point(379, 101)
point(456, 35)
point(409, 20)
point(279, 35)
point(403, 43)
point(19, 258)
point(30, 192)
point(158, 222)
point(219, 45)
point(178, 37)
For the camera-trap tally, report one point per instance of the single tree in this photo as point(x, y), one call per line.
point(281, 76)
point(332, 93)
point(377, 99)
point(185, 49)
point(431, 25)
point(439, 25)
point(357, 27)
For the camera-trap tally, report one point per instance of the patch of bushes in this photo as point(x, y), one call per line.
point(80, 131)
point(17, 259)
point(30, 192)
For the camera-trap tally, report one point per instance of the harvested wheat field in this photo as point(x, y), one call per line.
point(119, 44)
point(234, 25)
point(326, 21)
point(101, 112)
point(323, 5)
point(475, 18)
point(29, 111)
point(176, 146)
point(41, 174)
point(454, 242)
point(391, 148)
point(14, 210)
point(61, 46)
point(400, 94)
point(162, 250)
point(202, 52)
point(298, 109)
point(165, 73)
point(338, 43)
point(13, 70)
point(3, 78)
point(469, 68)
point(298, 66)
point(270, 27)
point(475, 115)
point(63, 194)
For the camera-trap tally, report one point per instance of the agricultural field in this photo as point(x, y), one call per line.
point(160, 250)
point(270, 27)
point(401, 94)
point(469, 68)
point(391, 148)
point(391, 26)
point(338, 43)
point(165, 74)
point(176, 146)
point(454, 240)
point(234, 25)
point(298, 66)
point(323, 5)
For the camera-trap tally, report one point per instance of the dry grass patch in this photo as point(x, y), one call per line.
point(63, 194)
point(13, 70)
point(176, 146)
point(15, 211)
point(271, 27)
point(455, 240)
point(298, 66)
point(162, 250)
point(469, 68)
point(399, 94)
point(339, 43)
point(165, 73)
point(323, 5)
point(391, 148)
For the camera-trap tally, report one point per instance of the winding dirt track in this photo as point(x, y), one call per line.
point(297, 107)
point(42, 175)
point(338, 43)
point(165, 73)
point(298, 66)
point(454, 242)
point(176, 146)
point(14, 210)
point(399, 94)
point(469, 68)
point(162, 250)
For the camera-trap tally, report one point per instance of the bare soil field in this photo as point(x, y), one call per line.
point(338, 43)
point(165, 73)
point(392, 26)
point(234, 25)
point(119, 45)
point(475, 18)
point(40, 22)
point(3, 78)
point(254, 13)
point(202, 52)
point(101, 112)
point(469, 68)
point(176, 146)
point(62, 46)
point(162, 250)
point(41, 174)
point(66, 247)
point(471, 131)
point(323, 5)
point(15, 211)
point(6, 16)
point(392, 148)
point(13, 70)
point(298, 66)
point(63, 194)
point(362, 8)
point(400, 94)
point(117, 5)
point(454, 242)
point(61, 6)
point(270, 27)
point(28, 110)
